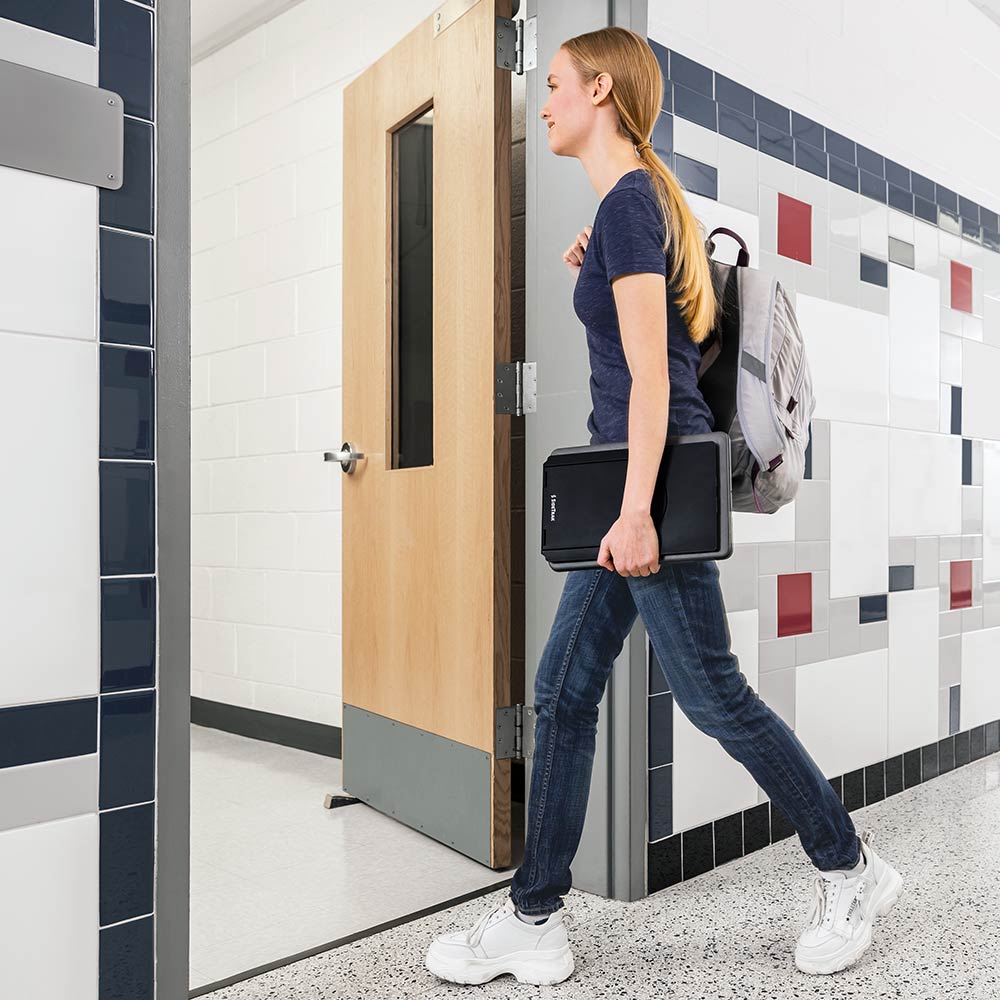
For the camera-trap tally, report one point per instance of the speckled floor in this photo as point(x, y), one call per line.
point(731, 932)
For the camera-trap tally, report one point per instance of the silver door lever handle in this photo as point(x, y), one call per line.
point(347, 457)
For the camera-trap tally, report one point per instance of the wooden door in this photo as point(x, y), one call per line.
point(426, 512)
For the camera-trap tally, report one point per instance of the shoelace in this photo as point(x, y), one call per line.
point(491, 916)
point(823, 911)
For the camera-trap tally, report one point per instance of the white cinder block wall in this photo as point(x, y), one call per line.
point(266, 213)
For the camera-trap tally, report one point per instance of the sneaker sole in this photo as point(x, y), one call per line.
point(883, 901)
point(531, 968)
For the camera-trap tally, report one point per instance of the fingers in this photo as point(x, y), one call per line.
point(574, 255)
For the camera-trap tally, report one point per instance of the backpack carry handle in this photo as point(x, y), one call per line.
point(742, 259)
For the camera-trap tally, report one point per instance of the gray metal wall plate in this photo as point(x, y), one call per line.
point(428, 782)
point(60, 127)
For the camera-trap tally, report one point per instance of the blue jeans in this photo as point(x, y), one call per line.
point(684, 615)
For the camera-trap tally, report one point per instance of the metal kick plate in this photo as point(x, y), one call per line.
point(60, 127)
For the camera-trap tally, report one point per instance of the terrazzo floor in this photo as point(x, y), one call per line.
point(731, 932)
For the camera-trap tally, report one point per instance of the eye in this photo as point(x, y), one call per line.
point(550, 85)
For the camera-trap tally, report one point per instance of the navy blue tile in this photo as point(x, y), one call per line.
point(911, 768)
point(728, 838)
point(661, 802)
point(697, 854)
point(128, 633)
point(872, 608)
point(663, 136)
point(810, 158)
point(929, 762)
point(734, 95)
point(977, 743)
point(661, 729)
point(126, 289)
point(131, 206)
point(126, 403)
point(694, 107)
point(774, 142)
point(126, 854)
point(781, 827)
point(126, 55)
point(894, 775)
point(871, 161)
point(657, 679)
point(663, 863)
point(874, 783)
point(840, 146)
point(963, 749)
point(127, 497)
point(735, 125)
point(946, 198)
point(991, 238)
point(897, 175)
point(924, 209)
point(956, 409)
point(946, 755)
point(968, 209)
point(954, 708)
point(989, 219)
point(920, 185)
point(900, 199)
point(872, 186)
point(808, 468)
point(756, 827)
point(662, 57)
point(690, 74)
point(854, 789)
point(50, 731)
point(843, 173)
point(808, 131)
point(837, 784)
point(966, 462)
point(697, 177)
point(900, 578)
point(69, 18)
point(126, 965)
point(874, 271)
point(771, 113)
point(993, 736)
point(128, 748)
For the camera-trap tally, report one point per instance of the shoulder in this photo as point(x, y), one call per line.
point(633, 200)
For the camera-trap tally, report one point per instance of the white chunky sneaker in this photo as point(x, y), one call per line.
point(500, 942)
point(842, 912)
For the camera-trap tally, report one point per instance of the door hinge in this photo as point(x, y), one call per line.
point(515, 386)
point(517, 43)
point(515, 732)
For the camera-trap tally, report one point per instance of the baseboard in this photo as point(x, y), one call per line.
point(316, 737)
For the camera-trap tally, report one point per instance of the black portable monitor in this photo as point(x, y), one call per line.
point(582, 490)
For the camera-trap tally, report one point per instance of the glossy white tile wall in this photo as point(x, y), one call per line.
point(266, 370)
point(48, 920)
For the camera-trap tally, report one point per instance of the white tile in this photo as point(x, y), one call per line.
point(50, 585)
point(707, 782)
point(913, 669)
point(980, 377)
point(49, 874)
point(925, 483)
point(914, 349)
point(51, 53)
point(268, 426)
point(980, 678)
point(712, 214)
point(991, 510)
point(836, 337)
point(753, 527)
point(827, 693)
point(48, 255)
point(859, 509)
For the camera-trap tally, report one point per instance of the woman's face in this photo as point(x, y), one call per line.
point(570, 111)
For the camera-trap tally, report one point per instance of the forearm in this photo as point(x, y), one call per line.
point(649, 406)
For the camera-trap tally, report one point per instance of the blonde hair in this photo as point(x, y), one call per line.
point(636, 91)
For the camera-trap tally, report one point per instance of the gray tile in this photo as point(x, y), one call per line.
point(767, 604)
point(977, 583)
point(820, 601)
point(777, 689)
point(901, 252)
point(820, 450)
point(776, 654)
point(874, 298)
point(951, 545)
point(972, 511)
point(812, 511)
point(738, 578)
point(972, 619)
point(927, 559)
point(949, 660)
point(775, 557)
point(950, 622)
point(48, 790)
point(902, 551)
point(812, 647)
point(943, 712)
point(977, 462)
point(972, 546)
point(874, 635)
point(954, 708)
point(991, 604)
point(811, 557)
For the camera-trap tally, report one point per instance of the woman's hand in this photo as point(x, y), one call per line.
point(574, 255)
point(633, 545)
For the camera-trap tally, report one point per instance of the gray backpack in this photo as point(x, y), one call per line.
point(756, 381)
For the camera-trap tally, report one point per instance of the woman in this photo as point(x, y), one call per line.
point(643, 290)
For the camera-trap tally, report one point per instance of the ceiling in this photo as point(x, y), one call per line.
point(214, 23)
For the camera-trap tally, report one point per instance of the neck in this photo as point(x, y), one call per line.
point(606, 160)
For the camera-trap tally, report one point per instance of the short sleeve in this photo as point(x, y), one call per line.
point(632, 234)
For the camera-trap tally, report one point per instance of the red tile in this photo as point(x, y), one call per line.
point(794, 603)
point(794, 228)
point(961, 286)
point(961, 584)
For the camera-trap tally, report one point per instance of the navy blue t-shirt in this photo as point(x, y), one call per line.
point(628, 237)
